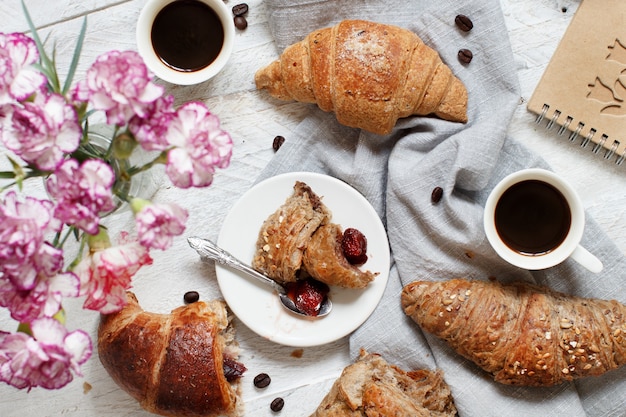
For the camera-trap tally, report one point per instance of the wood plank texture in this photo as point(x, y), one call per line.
point(535, 27)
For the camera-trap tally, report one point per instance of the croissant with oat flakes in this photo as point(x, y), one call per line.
point(522, 334)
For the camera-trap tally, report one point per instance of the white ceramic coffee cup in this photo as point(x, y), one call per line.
point(569, 248)
point(167, 73)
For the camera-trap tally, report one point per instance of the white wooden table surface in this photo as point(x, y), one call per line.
point(535, 27)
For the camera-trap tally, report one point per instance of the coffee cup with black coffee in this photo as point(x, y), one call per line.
point(535, 220)
point(185, 42)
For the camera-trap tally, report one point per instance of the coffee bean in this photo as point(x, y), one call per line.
point(240, 9)
point(262, 380)
point(191, 297)
point(465, 56)
point(278, 142)
point(277, 404)
point(240, 22)
point(463, 22)
point(436, 195)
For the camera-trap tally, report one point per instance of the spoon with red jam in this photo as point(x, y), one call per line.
point(306, 297)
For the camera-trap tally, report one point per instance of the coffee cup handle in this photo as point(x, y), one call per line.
point(586, 259)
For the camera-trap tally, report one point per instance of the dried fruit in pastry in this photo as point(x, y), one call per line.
point(372, 387)
point(178, 364)
point(369, 74)
point(523, 334)
point(324, 260)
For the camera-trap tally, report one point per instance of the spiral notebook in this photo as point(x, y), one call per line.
point(583, 89)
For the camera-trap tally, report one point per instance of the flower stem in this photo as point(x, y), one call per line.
point(161, 159)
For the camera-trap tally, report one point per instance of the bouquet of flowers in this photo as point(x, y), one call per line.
point(44, 126)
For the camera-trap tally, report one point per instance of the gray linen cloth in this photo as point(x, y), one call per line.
point(397, 174)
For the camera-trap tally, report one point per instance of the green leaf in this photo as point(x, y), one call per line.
point(46, 63)
point(75, 57)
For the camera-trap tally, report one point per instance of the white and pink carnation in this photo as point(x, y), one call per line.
point(24, 252)
point(157, 224)
point(41, 132)
point(120, 84)
point(18, 78)
point(199, 146)
point(82, 192)
point(44, 300)
point(106, 274)
point(150, 130)
point(49, 359)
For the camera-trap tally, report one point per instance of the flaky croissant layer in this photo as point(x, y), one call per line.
point(523, 334)
point(369, 74)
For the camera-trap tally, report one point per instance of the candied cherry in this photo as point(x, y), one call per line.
point(354, 246)
point(308, 295)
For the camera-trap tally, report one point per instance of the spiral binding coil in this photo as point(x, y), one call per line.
point(575, 134)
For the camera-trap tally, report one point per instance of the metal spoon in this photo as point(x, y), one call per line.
point(209, 250)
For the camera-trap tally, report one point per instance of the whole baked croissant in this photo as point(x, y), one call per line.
point(374, 388)
point(369, 74)
point(523, 334)
point(178, 364)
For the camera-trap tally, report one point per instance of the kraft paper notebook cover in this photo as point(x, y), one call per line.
point(583, 89)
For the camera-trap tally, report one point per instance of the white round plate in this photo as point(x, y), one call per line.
point(257, 306)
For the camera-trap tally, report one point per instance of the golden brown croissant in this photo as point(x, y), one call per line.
point(324, 260)
point(372, 387)
point(369, 74)
point(178, 364)
point(523, 334)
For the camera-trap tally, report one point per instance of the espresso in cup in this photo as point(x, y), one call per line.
point(535, 220)
point(187, 35)
point(185, 41)
point(532, 217)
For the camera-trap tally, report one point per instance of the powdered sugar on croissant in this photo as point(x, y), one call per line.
point(369, 74)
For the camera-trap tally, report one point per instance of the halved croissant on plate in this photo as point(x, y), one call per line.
point(298, 240)
point(523, 334)
point(178, 364)
point(286, 232)
point(369, 74)
point(372, 387)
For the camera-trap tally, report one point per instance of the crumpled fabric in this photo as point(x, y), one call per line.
point(397, 174)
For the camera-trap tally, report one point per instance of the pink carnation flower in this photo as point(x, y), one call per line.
point(106, 275)
point(41, 132)
point(150, 130)
point(119, 83)
point(82, 192)
point(24, 252)
point(45, 360)
point(44, 300)
point(18, 78)
point(157, 224)
point(200, 145)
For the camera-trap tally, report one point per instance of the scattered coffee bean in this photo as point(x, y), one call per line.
point(191, 297)
point(463, 22)
point(277, 404)
point(436, 195)
point(240, 22)
point(465, 56)
point(262, 380)
point(278, 142)
point(240, 9)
